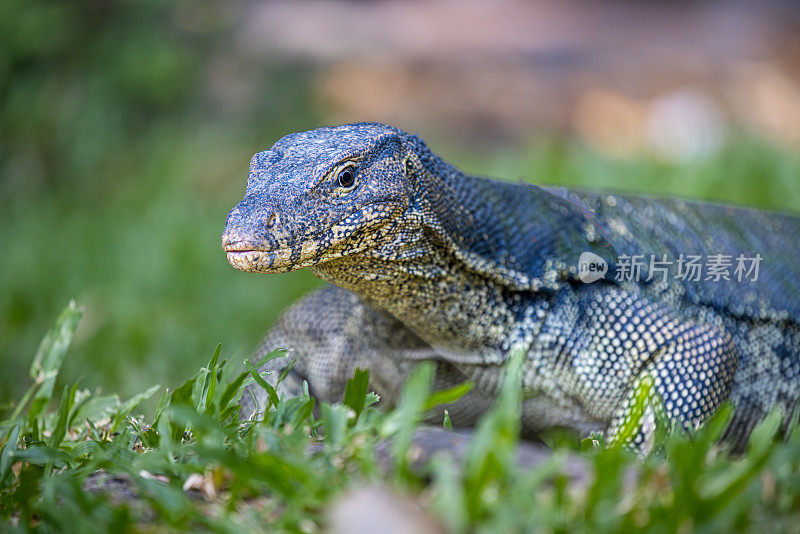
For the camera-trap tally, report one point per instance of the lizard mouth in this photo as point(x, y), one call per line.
point(327, 245)
point(280, 260)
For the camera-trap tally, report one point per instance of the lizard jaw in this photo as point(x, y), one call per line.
point(275, 261)
point(327, 246)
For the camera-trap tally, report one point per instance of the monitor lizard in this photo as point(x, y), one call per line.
point(428, 263)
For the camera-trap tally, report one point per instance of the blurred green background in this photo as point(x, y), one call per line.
point(126, 129)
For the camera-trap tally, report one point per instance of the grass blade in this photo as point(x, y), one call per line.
point(355, 392)
point(49, 357)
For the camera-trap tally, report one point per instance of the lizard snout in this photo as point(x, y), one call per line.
point(254, 225)
point(233, 241)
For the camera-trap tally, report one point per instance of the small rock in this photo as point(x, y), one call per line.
point(374, 510)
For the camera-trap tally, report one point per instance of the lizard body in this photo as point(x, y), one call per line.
point(464, 271)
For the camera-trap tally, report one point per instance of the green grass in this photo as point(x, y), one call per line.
point(264, 475)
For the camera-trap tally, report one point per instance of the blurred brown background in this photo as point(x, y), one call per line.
point(667, 77)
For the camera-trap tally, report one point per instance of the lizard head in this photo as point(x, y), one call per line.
point(317, 196)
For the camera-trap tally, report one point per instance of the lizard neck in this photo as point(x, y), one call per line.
point(413, 277)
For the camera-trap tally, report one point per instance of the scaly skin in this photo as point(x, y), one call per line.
point(465, 271)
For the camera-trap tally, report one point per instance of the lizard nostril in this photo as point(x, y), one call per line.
point(273, 220)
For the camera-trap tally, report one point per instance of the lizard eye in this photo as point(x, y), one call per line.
point(347, 177)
